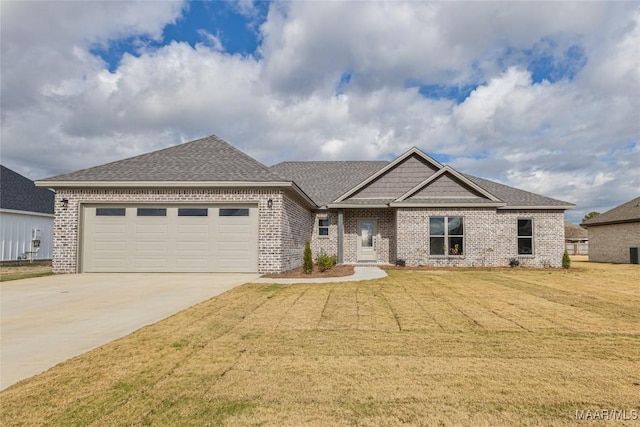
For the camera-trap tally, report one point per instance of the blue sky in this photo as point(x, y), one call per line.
point(237, 32)
point(543, 97)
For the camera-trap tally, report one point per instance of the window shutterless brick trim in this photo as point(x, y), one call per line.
point(491, 237)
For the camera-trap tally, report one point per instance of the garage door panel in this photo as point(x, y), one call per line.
point(170, 243)
point(117, 246)
point(150, 247)
point(193, 228)
point(151, 228)
point(233, 247)
point(224, 229)
point(111, 229)
point(151, 262)
point(201, 264)
point(186, 247)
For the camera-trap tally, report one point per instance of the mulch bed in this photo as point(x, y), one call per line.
point(297, 273)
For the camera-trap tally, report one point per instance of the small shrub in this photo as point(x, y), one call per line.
point(566, 261)
point(307, 259)
point(514, 263)
point(400, 263)
point(325, 262)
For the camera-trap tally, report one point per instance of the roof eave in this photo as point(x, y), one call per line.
point(537, 207)
point(23, 212)
point(445, 205)
point(622, 221)
point(159, 184)
point(355, 206)
point(178, 184)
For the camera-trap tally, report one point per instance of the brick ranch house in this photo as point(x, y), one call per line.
point(613, 234)
point(204, 206)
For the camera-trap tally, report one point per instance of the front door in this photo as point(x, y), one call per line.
point(367, 230)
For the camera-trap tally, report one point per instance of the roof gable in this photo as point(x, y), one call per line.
point(207, 159)
point(396, 178)
point(447, 183)
point(626, 212)
point(20, 194)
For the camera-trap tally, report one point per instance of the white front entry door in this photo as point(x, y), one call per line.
point(367, 230)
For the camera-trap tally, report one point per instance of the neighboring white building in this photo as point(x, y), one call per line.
point(26, 218)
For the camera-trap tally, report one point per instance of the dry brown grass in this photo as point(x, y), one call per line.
point(16, 272)
point(466, 347)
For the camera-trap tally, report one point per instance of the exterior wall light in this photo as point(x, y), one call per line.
point(270, 203)
point(65, 203)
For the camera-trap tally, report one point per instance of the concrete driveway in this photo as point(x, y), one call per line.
point(47, 320)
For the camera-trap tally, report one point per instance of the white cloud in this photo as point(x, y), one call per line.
point(64, 110)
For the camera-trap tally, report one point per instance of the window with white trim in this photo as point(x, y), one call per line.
point(525, 236)
point(446, 236)
point(323, 226)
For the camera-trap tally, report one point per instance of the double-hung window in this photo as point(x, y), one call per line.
point(446, 235)
point(525, 236)
point(323, 226)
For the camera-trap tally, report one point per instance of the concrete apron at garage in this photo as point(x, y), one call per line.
point(47, 320)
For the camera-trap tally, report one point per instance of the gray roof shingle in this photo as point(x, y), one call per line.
point(205, 159)
point(516, 197)
point(574, 232)
point(19, 193)
point(626, 212)
point(325, 181)
point(211, 159)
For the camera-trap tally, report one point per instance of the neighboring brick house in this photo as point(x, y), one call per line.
point(613, 233)
point(576, 239)
point(205, 206)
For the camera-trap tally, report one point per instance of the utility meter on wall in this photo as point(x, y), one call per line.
point(35, 238)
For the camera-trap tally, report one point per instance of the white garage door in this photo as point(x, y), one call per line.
point(212, 238)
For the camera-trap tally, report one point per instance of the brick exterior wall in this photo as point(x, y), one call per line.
point(611, 243)
point(325, 244)
point(297, 223)
point(281, 228)
point(490, 237)
point(385, 237)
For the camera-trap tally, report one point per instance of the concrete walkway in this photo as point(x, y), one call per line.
point(360, 273)
point(47, 320)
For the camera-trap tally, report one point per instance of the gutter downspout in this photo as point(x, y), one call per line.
point(340, 235)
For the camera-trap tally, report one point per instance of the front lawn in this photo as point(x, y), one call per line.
point(27, 271)
point(435, 347)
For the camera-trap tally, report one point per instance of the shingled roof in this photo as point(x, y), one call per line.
point(211, 160)
point(515, 197)
point(626, 212)
point(325, 181)
point(574, 232)
point(20, 194)
point(208, 159)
